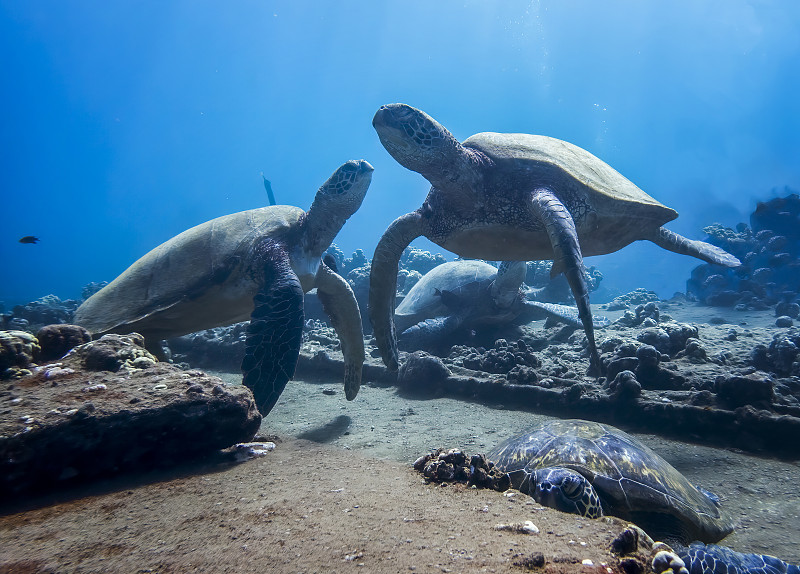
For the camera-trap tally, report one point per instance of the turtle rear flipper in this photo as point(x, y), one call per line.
point(560, 227)
point(275, 331)
point(340, 305)
point(671, 241)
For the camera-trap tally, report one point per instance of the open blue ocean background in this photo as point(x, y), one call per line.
point(124, 123)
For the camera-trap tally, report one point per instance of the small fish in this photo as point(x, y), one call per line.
point(29, 239)
point(268, 187)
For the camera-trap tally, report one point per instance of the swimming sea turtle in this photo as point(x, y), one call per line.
point(513, 197)
point(255, 264)
point(594, 469)
point(471, 293)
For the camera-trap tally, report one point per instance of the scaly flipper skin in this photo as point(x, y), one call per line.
point(565, 313)
point(340, 305)
point(275, 331)
point(712, 559)
point(567, 257)
point(671, 241)
point(383, 283)
point(428, 333)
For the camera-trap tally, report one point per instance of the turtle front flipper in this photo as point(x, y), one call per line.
point(702, 558)
point(560, 227)
point(339, 303)
point(429, 333)
point(564, 313)
point(275, 331)
point(383, 282)
point(671, 241)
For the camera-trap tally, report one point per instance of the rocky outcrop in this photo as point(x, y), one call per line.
point(108, 408)
point(57, 340)
point(18, 349)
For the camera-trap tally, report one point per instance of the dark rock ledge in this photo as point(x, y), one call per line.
point(676, 414)
point(109, 408)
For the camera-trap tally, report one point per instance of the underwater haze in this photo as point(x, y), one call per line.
point(125, 123)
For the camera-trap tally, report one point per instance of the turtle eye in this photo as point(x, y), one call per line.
point(572, 486)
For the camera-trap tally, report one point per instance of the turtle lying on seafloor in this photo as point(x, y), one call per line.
point(513, 197)
point(255, 264)
point(467, 294)
point(594, 469)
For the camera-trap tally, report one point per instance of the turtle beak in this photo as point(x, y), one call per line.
point(388, 125)
point(391, 116)
point(391, 123)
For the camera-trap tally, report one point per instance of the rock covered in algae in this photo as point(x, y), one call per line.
point(109, 408)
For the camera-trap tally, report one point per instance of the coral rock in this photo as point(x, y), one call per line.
point(17, 349)
point(66, 424)
point(422, 373)
point(736, 391)
point(57, 340)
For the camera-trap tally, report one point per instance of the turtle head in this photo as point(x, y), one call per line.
point(336, 200)
point(417, 141)
point(565, 490)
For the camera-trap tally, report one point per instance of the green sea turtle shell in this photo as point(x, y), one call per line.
point(467, 279)
point(609, 210)
point(199, 279)
point(633, 482)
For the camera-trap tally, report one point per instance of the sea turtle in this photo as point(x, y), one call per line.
point(595, 469)
point(255, 264)
point(468, 293)
point(513, 197)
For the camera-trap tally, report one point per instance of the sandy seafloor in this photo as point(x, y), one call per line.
point(338, 494)
point(762, 494)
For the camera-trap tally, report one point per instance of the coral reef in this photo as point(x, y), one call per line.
point(219, 348)
point(91, 288)
point(556, 289)
point(781, 357)
point(638, 296)
point(45, 311)
point(769, 250)
point(502, 358)
point(415, 259)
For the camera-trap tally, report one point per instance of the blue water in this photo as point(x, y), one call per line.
point(124, 123)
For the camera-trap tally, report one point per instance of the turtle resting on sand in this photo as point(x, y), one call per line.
point(471, 293)
point(255, 264)
point(594, 469)
point(513, 197)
